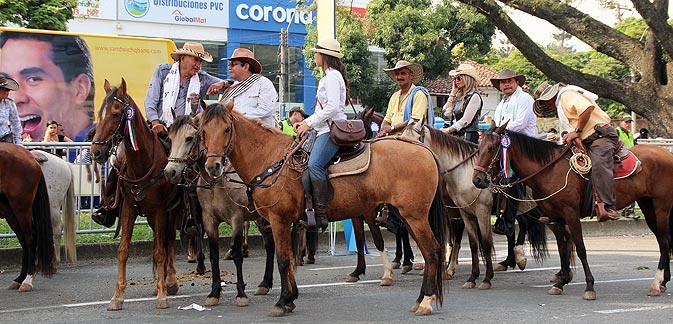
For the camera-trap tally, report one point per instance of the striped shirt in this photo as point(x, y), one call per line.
point(9, 116)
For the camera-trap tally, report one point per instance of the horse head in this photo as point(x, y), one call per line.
point(489, 157)
point(185, 147)
point(415, 130)
point(217, 134)
point(111, 116)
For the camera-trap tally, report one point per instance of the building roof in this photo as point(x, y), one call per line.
point(442, 86)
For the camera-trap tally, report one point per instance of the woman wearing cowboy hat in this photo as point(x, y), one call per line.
point(8, 113)
point(333, 92)
point(464, 104)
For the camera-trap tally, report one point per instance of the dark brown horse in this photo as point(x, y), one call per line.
point(253, 148)
point(24, 203)
point(561, 196)
point(144, 188)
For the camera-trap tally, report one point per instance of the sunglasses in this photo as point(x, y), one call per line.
point(232, 64)
point(458, 78)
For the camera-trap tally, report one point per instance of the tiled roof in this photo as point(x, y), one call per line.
point(442, 86)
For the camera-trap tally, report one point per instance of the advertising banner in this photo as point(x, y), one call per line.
point(269, 15)
point(211, 13)
point(96, 9)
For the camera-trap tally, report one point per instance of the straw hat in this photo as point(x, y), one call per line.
point(328, 46)
point(508, 74)
point(8, 83)
point(544, 92)
point(416, 69)
point(192, 49)
point(247, 56)
point(465, 69)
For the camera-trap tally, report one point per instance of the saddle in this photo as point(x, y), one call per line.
point(39, 156)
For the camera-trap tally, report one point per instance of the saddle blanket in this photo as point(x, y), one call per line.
point(627, 167)
point(39, 156)
point(356, 165)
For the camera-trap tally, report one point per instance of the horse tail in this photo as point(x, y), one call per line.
point(437, 219)
point(69, 223)
point(42, 234)
point(537, 234)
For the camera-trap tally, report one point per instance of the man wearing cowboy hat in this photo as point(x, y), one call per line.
point(625, 134)
point(171, 83)
point(583, 119)
point(8, 113)
point(407, 104)
point(295, 115)
point(516, 106)
point(254, 95)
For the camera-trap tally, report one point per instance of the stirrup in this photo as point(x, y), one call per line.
point(102, 217)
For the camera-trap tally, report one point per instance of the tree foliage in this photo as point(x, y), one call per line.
point(643, 50)
point(419, 32)
point(37, 14)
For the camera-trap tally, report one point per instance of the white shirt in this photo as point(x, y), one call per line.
point(332, 96)
point(523, 118)
point(259, 102)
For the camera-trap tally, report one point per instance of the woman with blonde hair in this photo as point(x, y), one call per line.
point(333, 92)
point(464, 104)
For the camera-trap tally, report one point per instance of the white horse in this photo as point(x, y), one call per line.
point(60, 185)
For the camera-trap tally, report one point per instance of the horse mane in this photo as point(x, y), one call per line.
point(536, 149)
point(217, 110)
point(453, 144)
point(178, 123)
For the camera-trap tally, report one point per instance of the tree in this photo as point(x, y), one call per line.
point(419, 32)
point(37, 14)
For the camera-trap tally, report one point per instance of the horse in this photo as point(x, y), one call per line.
point(61, 188)
point(457, 158)
point(24, 203)
point(279, 197)
point(143, 187)
point(222, 201)
point(560, 193)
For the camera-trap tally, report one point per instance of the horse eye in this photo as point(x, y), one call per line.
point(227, 129)
point(189, 139)
point(491, 148)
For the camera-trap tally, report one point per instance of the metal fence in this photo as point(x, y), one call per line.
point(663, 142)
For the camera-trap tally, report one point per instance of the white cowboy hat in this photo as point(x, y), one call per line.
point(247, 56)
point(192, 49)
point(466, 69)
point(8, 83)
point(328, 46)
point(416, 69)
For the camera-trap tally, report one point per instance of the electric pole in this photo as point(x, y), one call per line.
point(282, 78)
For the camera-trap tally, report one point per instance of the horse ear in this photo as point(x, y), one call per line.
point(202, 104)
point(501, 129)
point(122, 87)
point(106, 86)
point(230, 105)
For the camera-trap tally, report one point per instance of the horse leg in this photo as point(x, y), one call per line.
point(565, 248)
point(659, 225)
point(172, 286)
point(237, 257)
point(270, 248)
point(359, 229)
point(311, 245)
point(519, 254)
point(486, 244)
point(127, 220)
point(397, 261)
point(160, 254)
point(377, 237)
point(214, 247)
point(25, 247)
point(509, 260)
point(408, 259)
point(245, 249)
point(576, 233)
point(456, 230)
point(57, 225)
point(299, 242)
point(472, 229)
point(288, 293)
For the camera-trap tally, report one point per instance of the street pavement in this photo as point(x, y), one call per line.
point(623, 265)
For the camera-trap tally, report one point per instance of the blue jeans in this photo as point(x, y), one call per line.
point(323, 151)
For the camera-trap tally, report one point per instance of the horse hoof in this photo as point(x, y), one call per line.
point(245, 252)
point(242, 301)
point(352, 279)
point(201, 270)
point(414, 308)
point(25, 287)
point(396, 265)
point(405, 269)
point(448, 275)
point(385, 282)
point(484, 286)
point(555, 291)
point(299, 262)
point(115, 305)
point(227, 256)
point(212, 301)
point(262, 291)
point(14, 286)
point(289, 307)
point(469, 285)
point(589, 295)
point(423, 310)
point(310, 260)
point(654, 292)
point(662, 288)
point(277, 311)
point(190, 260)
point(522, 263)
point(162, 303)
point(499, 267)
point(172, 289)
point(419, 266)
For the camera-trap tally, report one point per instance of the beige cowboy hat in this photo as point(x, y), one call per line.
point(544, 92)
point(247, 56)
point(8, 83)
point(508, 74)
point(192, 49)
point(416, 69)
point(328, 46)
point(466, 69)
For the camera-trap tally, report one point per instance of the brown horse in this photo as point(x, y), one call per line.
point(413, 188)
point(561, 196)
point(24, 203)
point(144, 188)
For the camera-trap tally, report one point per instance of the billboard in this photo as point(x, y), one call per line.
point(269, 15)
point(210, 13)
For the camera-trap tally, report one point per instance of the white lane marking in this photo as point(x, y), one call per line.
point(595, 282)
point(637, 309)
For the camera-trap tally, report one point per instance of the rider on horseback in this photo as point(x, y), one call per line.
point(8, 113)
point(583, 119)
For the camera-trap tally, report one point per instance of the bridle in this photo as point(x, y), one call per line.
point(227, 151)
point(116, 137)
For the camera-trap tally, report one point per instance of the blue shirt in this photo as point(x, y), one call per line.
point(153, 99)
point(10, 116)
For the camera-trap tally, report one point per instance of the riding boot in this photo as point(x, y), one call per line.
point(311, 245)
point(320, 192)
point(191, 228)
point(105, 215)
